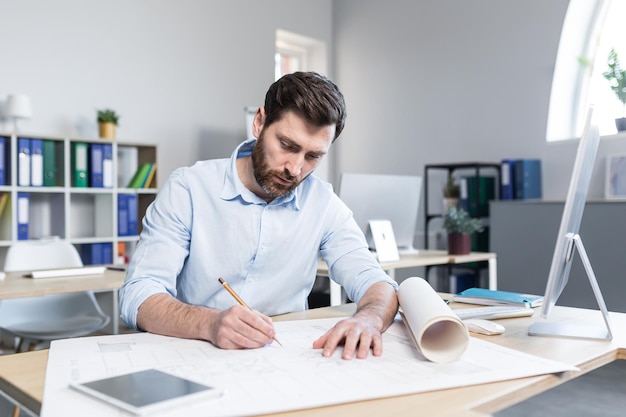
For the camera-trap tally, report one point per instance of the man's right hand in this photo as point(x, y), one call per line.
point(241, 328)
point(235, 328)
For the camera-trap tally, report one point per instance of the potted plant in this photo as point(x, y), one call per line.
point(617, 80)
point(451, 194)
point(107, 121)
point(460, 227)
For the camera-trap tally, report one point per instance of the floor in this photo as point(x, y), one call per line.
point(601, 393)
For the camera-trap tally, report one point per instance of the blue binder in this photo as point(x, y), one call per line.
point(96, 158)
point(507, 179)
point(36, 162)
point(127, 215)
point(3, 160)
point(91, 254)
point(528, 179)
point(23, 162)
point(106, 251)
point(107, 166)
point(22, 216)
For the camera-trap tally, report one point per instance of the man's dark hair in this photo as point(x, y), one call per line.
point(311, 96)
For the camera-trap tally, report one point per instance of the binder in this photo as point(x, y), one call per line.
point(476, 192)
point(507, 180)
point(107, 166)
point(22, 216)
point(36, 162)
point(106, 251)
point(140, 176)
point(49, 163)
point(122, 215)
point(528, 179)
point(96, 159)
point(4, 199)
point(132, 214)
point(4, 160)
point(127, 215)
point(91, 254)
point(79, 164)
point(23, 162)
point(149, 177)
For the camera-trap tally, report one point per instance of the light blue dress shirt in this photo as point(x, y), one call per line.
point(205, 224)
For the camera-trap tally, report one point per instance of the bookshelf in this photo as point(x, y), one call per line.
point(477, 198)
point(70, 206)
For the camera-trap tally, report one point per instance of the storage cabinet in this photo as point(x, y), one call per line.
point(476, 194)
point(68, 205)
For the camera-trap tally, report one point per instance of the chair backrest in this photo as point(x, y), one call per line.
point(32, 255)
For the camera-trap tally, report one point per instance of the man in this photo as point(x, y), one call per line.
point(260, 221)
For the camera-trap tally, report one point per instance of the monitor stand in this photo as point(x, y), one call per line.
point(574, 330)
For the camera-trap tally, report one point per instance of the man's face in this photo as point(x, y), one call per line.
point(287, 152)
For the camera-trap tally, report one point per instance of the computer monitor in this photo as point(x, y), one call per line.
point(568, 240)
point(384, 197)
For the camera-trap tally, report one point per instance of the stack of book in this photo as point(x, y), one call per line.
point(485, 296)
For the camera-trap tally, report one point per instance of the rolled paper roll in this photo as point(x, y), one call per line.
point(439, 335)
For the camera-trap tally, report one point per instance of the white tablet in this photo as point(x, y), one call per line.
point(146, 391)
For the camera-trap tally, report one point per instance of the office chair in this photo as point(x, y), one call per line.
point(37, 320)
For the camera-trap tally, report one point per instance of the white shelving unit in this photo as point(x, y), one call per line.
point(82, 215)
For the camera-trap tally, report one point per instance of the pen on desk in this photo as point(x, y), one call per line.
point(115, 268)
point(239, 300)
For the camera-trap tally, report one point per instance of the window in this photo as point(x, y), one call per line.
point(590, 30)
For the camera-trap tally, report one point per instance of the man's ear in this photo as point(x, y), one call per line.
point(257, 122)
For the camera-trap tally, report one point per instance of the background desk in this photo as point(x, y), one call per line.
point(422, 258)
point(16, 286)
point(22, 375)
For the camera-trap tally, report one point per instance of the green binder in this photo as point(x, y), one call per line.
point(140, 176)
point(49, 164)
point(79, 164)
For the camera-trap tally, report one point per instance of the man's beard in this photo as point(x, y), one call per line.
point(265, 176)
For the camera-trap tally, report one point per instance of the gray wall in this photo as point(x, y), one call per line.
point(448, 81)
point(179, 72)
point(523, 234)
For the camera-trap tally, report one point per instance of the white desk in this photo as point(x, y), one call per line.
point(422, 258)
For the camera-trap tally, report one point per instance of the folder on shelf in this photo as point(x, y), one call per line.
point(127, 157)
point(107, 166)
point(127, 215)
point(4, 199)
point(528, 179)
point(150, 176)
point(91, 254)
point(106, 251)
point(96, 158)
point(140, 176)
point(23, 162)
point(4, 166)
point(79, 164)
point(96, 253)
point(507, 179)
point(49, 163)
point(22, 216)
point(36, 162)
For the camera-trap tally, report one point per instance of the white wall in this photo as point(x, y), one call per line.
point(425, 81)
point(448, 81)
point(178, 72)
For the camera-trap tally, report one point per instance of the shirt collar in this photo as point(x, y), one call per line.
point(233, 187)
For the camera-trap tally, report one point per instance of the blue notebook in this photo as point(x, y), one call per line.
point(485, 296)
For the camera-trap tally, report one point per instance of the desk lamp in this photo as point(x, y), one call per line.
point(18, 107)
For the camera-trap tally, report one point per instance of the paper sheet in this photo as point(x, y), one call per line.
point(273, 378)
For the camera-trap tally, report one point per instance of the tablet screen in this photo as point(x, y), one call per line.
point(144, 391)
